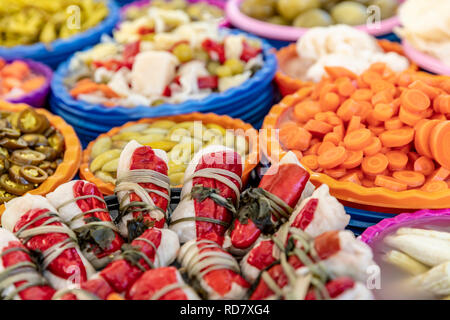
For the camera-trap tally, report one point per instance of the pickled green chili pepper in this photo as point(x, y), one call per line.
point(33, 174)
point(27, 156)
point(13, 187)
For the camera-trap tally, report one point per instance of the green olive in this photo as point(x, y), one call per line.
point(349, 12)
point(313, 18)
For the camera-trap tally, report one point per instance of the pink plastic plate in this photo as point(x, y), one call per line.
point(424, 60)
point(286, 33)
point(372, 232)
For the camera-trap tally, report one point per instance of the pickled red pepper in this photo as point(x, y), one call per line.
point(287, 185)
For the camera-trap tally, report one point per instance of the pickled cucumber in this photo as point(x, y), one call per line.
point(180, 140)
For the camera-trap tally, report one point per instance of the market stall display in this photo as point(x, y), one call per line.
point(34, 155)
point(413, 251)
point(24, 81)
point(180, 136)
point(425, 34)
point(50, 31)
point(195, 67)
point(284, 21)
point(144, 267)
point(303, 63)
point(375, 139)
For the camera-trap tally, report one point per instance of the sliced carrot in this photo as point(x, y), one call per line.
point(397, 138)
point(370, 76)
point(372, 121)
point(415, 100)
point(339, 72)
point(332, 137)
point(404, 79)
point(440, 117)
point(382, 85)
point(305, 110)
point(334, 120)
point(373, 148)
point(422, 137)
point(17, 69)
point(375, 164)
point(445, 85)
point(314, 149)
point(362, 95)
point(346, 88)
point(378, 67)
point(397, 160)
point(321, 116)
point(382, 97)
point(383, 111)
point(440, 143)
point(353, 159)
point(84, 88)
point(351, 177)
point(412, 178)
point(435, 186)
point(335, 173)
point(430, 91)
point(107, 91)
point(318, 127)
point(347, 109)
point(332, 158)
point(365, 108)
point(325, 146)
point(33, 84)
point(390, 183)
point(441, 103)
point(329, 101)
point(408, 117)
point(439, 174)
point(310, 162)
point(358, 139)
point(294, 137)
point(367, 183)
point(354, 124)
point(394, 123)
point(424, 165)
point(340, 131)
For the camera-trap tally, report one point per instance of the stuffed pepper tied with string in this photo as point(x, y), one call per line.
point(210, 195)
point(305, 263)
point(265, 208)
point(155, 248)
point(213, 272)
point(41, 230)
point(143, 189)
point(314, 215)
point(82, 207)
point(19, 274)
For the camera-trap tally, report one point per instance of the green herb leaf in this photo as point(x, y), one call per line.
point(256, 207)
point(137, 226)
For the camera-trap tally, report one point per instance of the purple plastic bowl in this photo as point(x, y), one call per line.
point(217, 3)
point(372, 232)
point(36, 98)
point(424, 60)
point(286, 33)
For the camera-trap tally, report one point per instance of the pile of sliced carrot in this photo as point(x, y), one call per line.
point(17, 79)
point(379, 129)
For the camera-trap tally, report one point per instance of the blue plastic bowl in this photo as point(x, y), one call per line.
point(221, 103)
point(59, 50)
